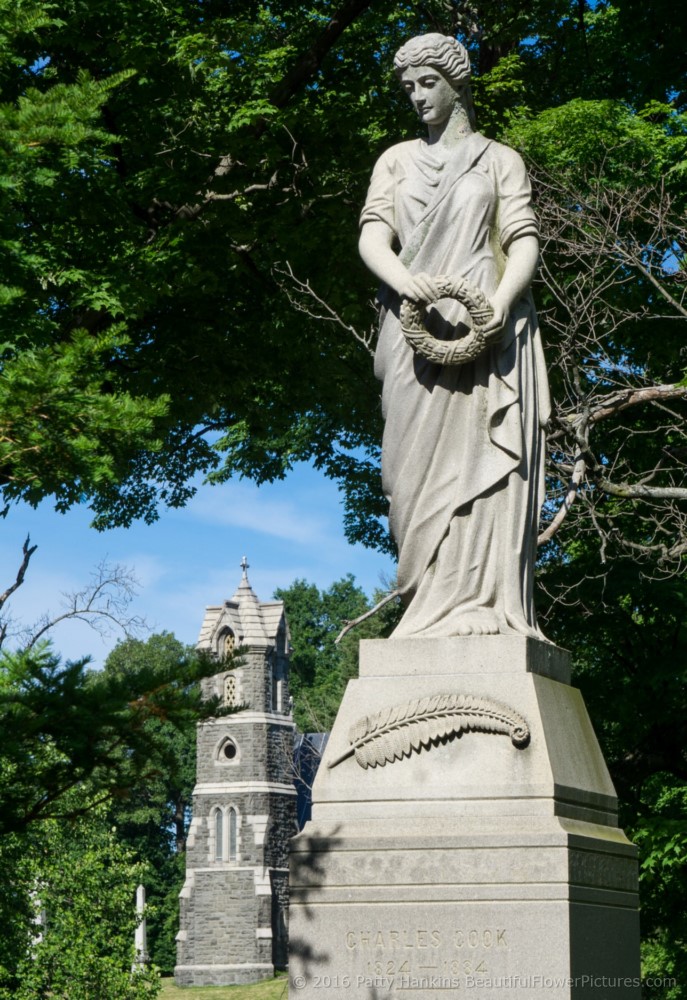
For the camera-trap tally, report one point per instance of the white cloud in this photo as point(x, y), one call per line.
point(242, 505)
point(148, 569)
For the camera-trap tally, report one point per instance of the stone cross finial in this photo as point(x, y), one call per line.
point(244, 566)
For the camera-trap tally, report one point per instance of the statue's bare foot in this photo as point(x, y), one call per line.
point(477, 623)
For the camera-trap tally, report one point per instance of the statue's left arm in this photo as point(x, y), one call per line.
point(516, 232)
point(522, 259)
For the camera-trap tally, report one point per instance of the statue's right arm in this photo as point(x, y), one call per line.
point(376, 241)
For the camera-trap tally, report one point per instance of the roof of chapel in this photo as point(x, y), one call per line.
point(252, 621)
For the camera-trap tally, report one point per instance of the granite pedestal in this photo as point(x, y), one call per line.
point(464, 838)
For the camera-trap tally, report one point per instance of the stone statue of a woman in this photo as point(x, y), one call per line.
point(463, 448)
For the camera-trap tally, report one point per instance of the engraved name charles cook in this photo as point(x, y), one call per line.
point(463, 447)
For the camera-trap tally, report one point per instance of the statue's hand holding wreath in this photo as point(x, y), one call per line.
point(494, 328)
point(420, 288)
point(488, 318)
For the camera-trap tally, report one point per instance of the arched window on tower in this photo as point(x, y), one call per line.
point(233, 834)
point(230, 690)
point(219, 835)
point(227, 643)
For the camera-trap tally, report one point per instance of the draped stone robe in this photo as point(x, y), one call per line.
point(463, 447)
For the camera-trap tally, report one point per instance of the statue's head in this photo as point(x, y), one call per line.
point(443, 52)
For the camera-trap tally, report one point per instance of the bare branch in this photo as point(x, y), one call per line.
point(612, 262)
point(635, 261)
point(27, 551)
point(103, 605)
point(575, 482)
point(368, 614)
point(305, 299)
point(638, 491)
point(632, 397)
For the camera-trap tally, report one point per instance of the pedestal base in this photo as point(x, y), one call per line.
point(221, 975)
point(463, 836)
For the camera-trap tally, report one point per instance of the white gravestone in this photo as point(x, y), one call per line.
point(141, 935)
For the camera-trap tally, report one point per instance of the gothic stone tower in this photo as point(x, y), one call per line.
point(234, 900)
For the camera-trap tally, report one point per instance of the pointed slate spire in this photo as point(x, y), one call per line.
point(249, 609)
point(252, 621)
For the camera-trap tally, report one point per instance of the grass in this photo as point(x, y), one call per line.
point(269, 989)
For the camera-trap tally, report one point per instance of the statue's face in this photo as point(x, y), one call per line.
point(430, 93)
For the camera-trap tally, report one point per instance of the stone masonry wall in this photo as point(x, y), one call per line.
point(220, 916)
point(265, 751)
point(282, 827)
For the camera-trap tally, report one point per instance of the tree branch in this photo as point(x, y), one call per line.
point(639, 492)
point(324, 312)
point(103, 605)
point(27, 550)
point(660, 288)
point(303, 70)
point(575, 482)
point(613, 260)
point(631, 397)
point(309, 62)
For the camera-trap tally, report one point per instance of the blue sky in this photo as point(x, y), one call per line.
point(190, 557)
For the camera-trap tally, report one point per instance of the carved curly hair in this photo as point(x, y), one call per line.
point(440, 51)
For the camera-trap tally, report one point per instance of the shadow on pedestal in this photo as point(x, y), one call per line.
point(464, 835)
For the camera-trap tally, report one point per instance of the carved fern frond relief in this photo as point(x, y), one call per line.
point(396, 732)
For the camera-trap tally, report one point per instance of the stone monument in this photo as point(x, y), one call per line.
point(141, 933)
point(234, 903)
point(464, 835)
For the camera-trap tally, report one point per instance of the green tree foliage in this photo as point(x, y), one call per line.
point(96, 770)
point(153, 818)
point(180, 184)
point(211, 162)
point(68, 913)
point(66, 728)
point(320, 669)
point(17, 909)
point(629, 643)
point(68, 426)
point(199, 162)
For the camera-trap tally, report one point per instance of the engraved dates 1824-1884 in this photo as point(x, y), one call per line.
point(423, 951)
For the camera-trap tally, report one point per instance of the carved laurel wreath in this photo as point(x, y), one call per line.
point(395, 732)
point(448, 352)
